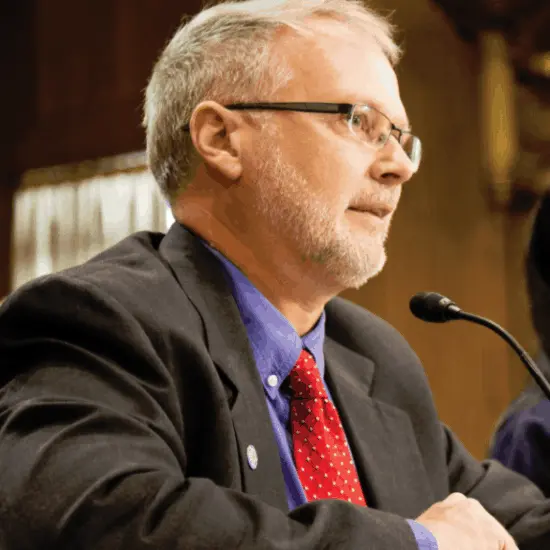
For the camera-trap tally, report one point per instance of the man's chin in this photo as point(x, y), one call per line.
point(354, 275)
point(366, 276)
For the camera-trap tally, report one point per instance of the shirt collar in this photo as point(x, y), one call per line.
point(275, 343)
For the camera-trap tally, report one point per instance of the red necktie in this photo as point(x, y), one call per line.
point(323, 459)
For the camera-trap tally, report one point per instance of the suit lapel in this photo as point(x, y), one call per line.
point(380, 436)
point(201, 277)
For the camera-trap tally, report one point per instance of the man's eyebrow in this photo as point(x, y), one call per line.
point(401, 123)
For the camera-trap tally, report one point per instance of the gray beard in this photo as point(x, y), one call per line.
point(308, 225)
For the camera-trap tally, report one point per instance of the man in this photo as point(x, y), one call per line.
point(522, 438)
point(205, 389)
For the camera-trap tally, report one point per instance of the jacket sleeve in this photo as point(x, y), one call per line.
point(508, 496)
point(85, 461)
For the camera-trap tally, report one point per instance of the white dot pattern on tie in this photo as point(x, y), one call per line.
point(323, 459)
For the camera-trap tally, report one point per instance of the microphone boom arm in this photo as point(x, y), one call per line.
point(527, 361)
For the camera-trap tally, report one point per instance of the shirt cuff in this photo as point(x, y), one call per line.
point(424, 539)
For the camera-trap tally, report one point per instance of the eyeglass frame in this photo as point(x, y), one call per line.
point(326, 108)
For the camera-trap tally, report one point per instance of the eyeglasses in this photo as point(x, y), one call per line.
point(365, 122)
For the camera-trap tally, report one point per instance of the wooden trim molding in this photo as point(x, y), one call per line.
point(54, 175)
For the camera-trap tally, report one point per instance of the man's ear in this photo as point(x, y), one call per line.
point(215, 132)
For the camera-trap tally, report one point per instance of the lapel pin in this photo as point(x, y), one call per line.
point(252, 457)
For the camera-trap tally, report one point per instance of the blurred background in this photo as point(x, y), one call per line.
point(475, 80)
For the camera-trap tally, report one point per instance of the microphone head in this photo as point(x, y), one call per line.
point(433, 307)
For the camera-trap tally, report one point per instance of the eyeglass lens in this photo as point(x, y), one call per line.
point(375, 128)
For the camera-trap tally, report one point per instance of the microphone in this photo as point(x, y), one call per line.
point(435, 308)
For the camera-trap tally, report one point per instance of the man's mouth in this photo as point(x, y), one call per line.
point(378, 210)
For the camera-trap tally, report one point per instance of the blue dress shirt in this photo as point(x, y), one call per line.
point(276, 347)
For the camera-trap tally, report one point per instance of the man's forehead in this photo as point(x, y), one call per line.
point(345, 68)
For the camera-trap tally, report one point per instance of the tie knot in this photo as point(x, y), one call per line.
point(305, 378)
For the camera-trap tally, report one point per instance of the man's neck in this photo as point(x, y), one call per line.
point(265, 263)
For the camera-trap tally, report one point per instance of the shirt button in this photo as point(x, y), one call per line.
point(272, 380)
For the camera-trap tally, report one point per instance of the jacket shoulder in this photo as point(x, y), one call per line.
point(366, 332)
point(399, 378)
point(127, 285)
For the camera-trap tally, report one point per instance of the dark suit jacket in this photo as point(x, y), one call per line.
point(129, 395)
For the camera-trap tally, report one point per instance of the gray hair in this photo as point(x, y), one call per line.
point(225, 54)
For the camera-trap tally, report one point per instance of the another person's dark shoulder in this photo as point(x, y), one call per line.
point(522, 437)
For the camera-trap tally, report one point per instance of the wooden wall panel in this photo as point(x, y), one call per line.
point(92, 60)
